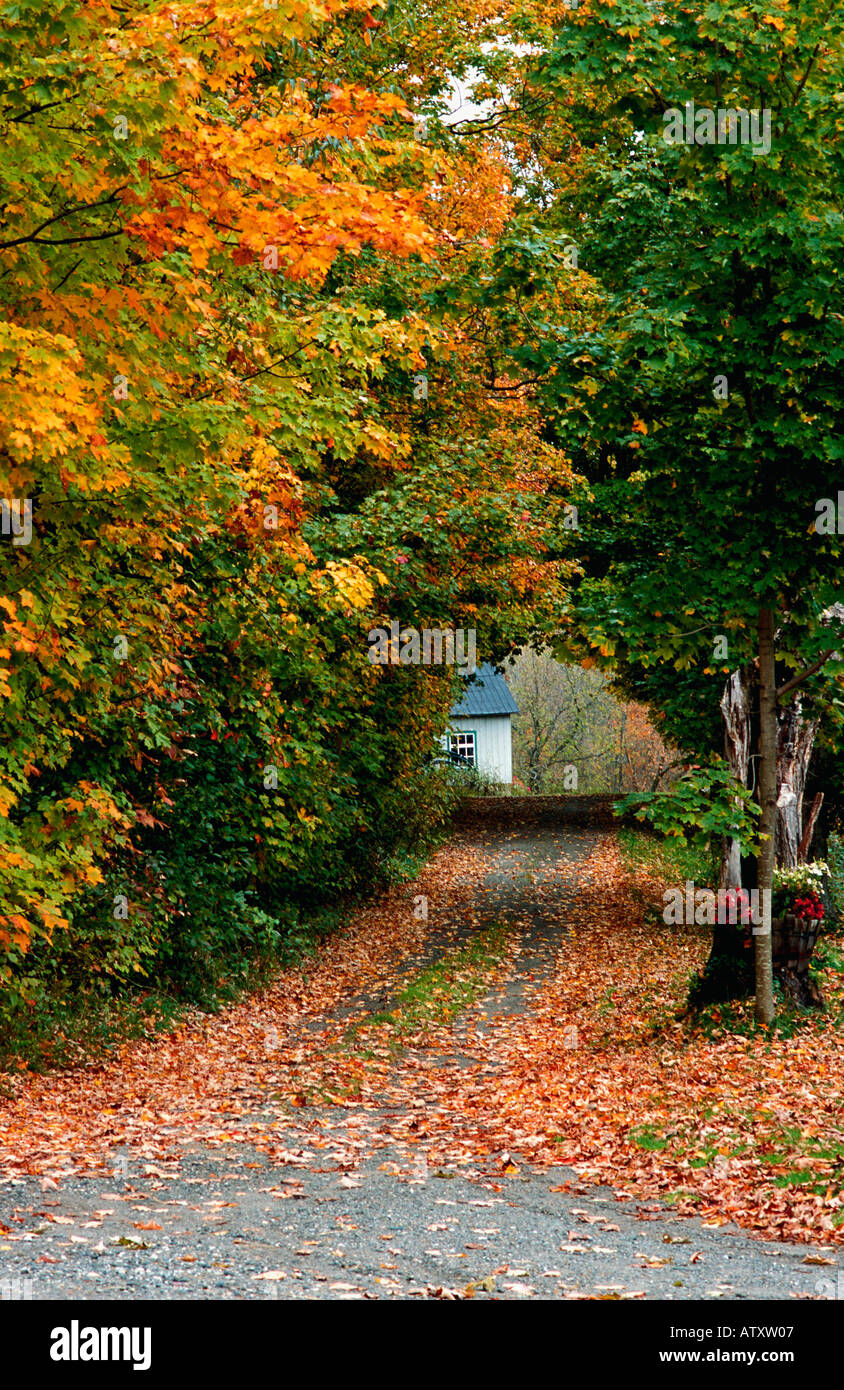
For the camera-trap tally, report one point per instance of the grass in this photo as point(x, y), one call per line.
point(815, 1163)
point(68, 1023)
point(737, 1016)
point(671, 860)
point(442, 991)
point(647, 1137)
point(433, 998)
point(67, 1031)
point(784, 1156)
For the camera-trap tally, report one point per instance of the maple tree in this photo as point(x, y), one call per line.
point(222, 268)
point(132, 405)
point(293, 347)
point(701, 399)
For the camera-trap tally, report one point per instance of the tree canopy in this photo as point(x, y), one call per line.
point(501, 315)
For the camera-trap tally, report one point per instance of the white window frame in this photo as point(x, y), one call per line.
point(457, 743)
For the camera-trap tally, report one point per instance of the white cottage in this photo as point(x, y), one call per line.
point(479, 726)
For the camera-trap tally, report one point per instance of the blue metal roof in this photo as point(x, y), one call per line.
point(486, 693)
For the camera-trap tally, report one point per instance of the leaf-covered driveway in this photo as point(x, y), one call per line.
point(496, 1100)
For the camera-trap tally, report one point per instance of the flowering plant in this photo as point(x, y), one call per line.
point(810, 906)
point(797, 891)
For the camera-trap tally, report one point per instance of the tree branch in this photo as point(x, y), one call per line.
point(804, 675)
point(59, 217)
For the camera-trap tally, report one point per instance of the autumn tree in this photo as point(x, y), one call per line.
point(572, 734)
point(227, 244)
point(702, 400)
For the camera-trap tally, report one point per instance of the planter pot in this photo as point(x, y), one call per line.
point(793, 940)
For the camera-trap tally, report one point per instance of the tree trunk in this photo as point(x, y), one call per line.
point(728, 973)
point(735, 707)
point(795, 737)
point(768, 818)
point(809, 830)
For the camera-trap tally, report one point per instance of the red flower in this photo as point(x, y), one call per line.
point(808, 907)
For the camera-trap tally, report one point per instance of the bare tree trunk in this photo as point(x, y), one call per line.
point(728, 973)
point(768, 818)
point(803, 848)
point(735, 707)
point(795, 741)
point(620, 764)
point(729, 874)
point(795, 738)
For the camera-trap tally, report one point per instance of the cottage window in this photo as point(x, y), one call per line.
point(463, 744)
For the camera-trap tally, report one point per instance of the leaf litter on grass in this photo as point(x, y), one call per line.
point(731, 1125)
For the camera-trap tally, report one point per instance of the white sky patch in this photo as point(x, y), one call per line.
point(461, 106)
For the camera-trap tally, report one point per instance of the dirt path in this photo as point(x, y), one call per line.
point(396, 1189)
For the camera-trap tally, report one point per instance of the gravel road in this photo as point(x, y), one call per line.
point(225, 1223)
